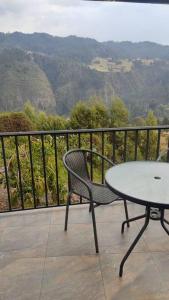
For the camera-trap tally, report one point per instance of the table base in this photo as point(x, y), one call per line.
point(150, 214)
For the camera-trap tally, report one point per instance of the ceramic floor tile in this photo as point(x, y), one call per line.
point(78, 240)
point(141, 279)
point(77, 214)
point(112, 241)
point(38, 260)
point(155, 236)
point(68, 278)
point(21, 278)
point(24, 238)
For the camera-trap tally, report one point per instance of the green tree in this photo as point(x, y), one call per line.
point(149, 142)
point(139, 121)
point(99, 112)
point(42, 121)
point(31, 112)
point(151, 119)
point(118, 118)
point(81, 116)
point(51, 122)
point(89, 114)
point(119, 114)
point(165, 121)
point(58, 122)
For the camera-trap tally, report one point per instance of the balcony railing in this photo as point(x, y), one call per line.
point(32, 175)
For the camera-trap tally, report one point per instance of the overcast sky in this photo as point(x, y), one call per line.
point(100, 20)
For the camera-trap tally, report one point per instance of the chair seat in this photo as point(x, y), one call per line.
point(102, 194)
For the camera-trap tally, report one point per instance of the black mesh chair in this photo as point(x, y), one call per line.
point(80, 184)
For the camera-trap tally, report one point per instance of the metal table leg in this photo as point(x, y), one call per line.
point(162, 220)
point(147, 218)
point(131, 220)
point(167, 222)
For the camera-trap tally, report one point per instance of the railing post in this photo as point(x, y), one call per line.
point(125, 145)
point(6, 173)
point(103, 159)
point(19, 171)
point(168, 152)
point(56, 170)
point(158, 143)
point(91, 158)
point(147, 144)
point(44, 170)
point(136, 145)
point(32, 171)
point(114, 145)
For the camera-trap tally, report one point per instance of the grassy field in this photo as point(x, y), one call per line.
point(123, 65)
point(108, 65)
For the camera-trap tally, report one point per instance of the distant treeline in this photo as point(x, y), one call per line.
point(92, 113)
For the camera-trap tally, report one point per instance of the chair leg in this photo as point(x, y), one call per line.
point(90, 208)
point(94, 227)
point(126, 213)
point(67, 210)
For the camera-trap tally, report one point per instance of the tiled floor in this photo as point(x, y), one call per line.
point(38, 260)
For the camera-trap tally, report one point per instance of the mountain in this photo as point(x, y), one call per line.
point(54, 72)
point(22, 79)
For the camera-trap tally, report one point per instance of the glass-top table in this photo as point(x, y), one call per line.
point(145, 183)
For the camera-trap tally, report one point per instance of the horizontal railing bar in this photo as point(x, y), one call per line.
point(76, 131)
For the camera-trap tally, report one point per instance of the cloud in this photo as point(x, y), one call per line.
point(100, 20)
point(65, 3)
point(14, 7)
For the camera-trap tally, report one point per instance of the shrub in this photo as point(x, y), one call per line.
point(15, 121)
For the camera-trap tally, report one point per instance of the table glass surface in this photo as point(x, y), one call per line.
point(141, 182)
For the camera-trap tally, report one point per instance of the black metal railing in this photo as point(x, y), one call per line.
point(31, 170)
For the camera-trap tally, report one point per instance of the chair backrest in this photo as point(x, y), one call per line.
point(76, 161)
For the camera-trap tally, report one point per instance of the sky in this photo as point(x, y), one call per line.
point(102, 21)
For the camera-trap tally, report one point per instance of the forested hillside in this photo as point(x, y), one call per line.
point(54, 73)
